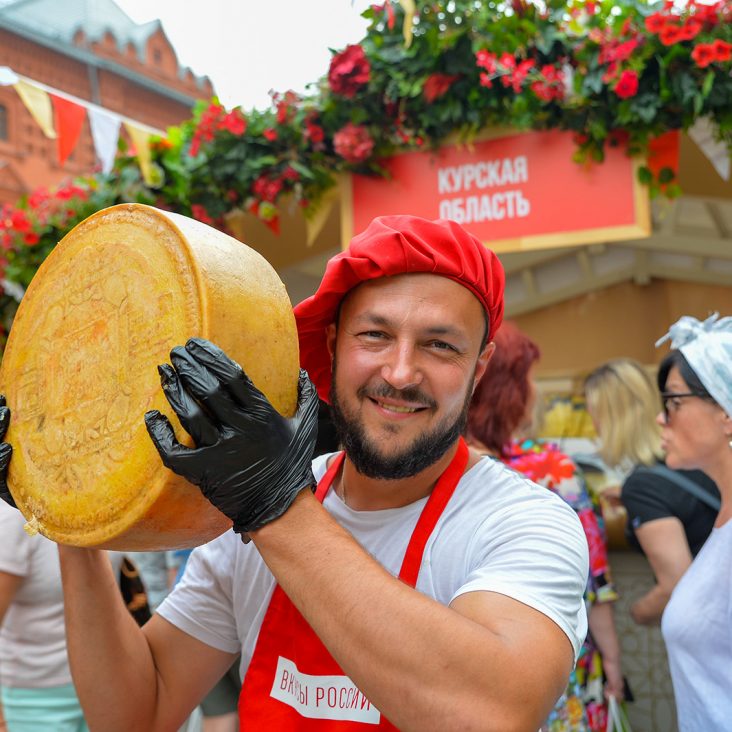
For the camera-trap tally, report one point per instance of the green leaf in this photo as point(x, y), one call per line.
point(708, 82)
point(645, 175)
point(666, 175)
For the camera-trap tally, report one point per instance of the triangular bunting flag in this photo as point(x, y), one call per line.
point(706, 135)
point(105, 133)
point(69, 123)
point(8, 76)
point(39, 105)
point(315, 222)
point(410, 10)
point(141, 141)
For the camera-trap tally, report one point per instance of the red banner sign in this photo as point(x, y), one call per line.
point(518, 192)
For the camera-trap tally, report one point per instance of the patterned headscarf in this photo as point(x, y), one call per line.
point(707, 346)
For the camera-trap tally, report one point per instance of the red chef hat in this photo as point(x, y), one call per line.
point(394, 245)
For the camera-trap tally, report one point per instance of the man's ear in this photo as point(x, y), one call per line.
point(330, 339)
point(485, 356)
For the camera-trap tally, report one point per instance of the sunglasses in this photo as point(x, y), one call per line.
point(671, 401)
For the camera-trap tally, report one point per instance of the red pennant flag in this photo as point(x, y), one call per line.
point(69, 121)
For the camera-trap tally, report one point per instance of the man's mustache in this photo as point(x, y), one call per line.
point(383, 390)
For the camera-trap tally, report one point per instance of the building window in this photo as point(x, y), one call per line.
point(157, 56)
point(3, 122)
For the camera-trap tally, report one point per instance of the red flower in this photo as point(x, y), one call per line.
point(270, 134)
point(486, 80)
point(235, 122)
point(709, 13)
point(437, 85)
point(516, 79)
point(199, 212)
point(313, 131)
point(266, 189)
point(486, 60)
point(507, 61)
point(691, 29)
point(722, 50)
point(31, 238)
point(37, 198)
point(285, 105)
point(19, 221)
point(704, 54)
point(349, 71)
point(618, 138)
point(387, 6)
point(614, 51)
point(670, 34)
point(551, 84)
point(627, 85)
point(353, 143)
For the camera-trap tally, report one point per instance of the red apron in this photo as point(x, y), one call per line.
point(293, 683)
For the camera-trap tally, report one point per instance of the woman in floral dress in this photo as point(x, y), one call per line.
point(501, 411)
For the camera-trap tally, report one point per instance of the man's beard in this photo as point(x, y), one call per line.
point(424, 451)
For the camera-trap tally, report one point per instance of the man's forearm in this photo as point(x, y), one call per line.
point(110, 659)
point(423, 665)
point(648, 609)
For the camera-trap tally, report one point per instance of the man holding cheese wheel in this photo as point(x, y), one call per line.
point(404, 583)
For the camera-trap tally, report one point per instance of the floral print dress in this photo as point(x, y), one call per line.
point(582, 707)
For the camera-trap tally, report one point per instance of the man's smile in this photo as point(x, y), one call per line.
point(396, 408)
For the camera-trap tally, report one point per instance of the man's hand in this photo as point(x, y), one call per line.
point(5, 452)
point(249, 461)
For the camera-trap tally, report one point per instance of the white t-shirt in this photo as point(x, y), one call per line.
point(697, 628)
point(499, 532)
point(32, 635)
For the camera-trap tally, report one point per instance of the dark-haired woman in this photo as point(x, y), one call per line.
point(501, 411)
point(695, 380)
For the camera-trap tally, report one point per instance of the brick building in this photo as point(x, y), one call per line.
point(92, 50)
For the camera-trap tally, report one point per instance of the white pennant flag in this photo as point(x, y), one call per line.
point(105, 133)
point(7, 76)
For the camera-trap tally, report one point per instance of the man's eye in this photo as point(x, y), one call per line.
point(372, 334)
point(442, 346)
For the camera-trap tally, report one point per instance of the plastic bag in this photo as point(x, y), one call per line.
point(617, 717)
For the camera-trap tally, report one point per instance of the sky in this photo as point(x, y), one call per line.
point(247, 47)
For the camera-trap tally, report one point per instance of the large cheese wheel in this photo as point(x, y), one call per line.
point(79, 372)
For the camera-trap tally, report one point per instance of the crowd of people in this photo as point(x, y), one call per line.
point(426, 563)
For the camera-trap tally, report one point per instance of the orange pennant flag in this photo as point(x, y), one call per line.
point(69, 122)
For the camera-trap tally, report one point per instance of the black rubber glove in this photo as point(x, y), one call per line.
point(249, 460)
point(5, 452)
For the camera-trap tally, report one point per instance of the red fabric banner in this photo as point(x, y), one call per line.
point(69, 122)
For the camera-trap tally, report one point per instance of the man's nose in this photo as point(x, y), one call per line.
point(402, 369)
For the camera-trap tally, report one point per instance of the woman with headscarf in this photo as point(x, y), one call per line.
point(670, 513)
point(501, 412)
point(695, 380)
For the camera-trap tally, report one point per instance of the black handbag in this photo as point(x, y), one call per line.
point(133, 591)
